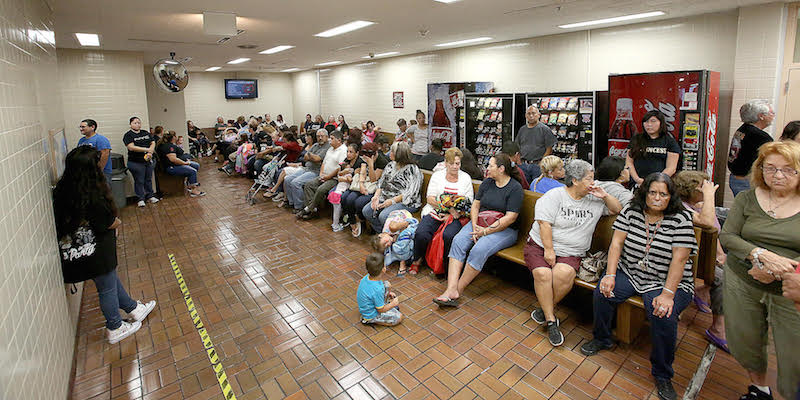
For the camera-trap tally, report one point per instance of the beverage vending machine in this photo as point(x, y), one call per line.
point(689, 101)
point(446, 110)
point(571, 117)
point(489, 124)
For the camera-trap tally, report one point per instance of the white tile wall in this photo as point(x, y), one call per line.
point(164, 108)
point(106, 86)
point(37, 337)
point(205, 97)
point(569, 61)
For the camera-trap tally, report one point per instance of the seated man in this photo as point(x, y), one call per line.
point(316, 190)
point(428, 161)
point(293, 184)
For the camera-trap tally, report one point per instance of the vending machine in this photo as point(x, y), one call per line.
point(689, 101)
point(489, 124)
point(571, 117)
point(446, 110)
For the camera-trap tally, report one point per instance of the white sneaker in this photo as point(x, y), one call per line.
point(141, 311)
point(140, 203)
point(153, 200)
point(124, 330)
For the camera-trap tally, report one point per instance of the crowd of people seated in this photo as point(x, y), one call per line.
point(373, 183)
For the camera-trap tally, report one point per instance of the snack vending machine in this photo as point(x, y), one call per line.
point(446, 110)
point(689, 101)
point(571, 117)
point(489, 123)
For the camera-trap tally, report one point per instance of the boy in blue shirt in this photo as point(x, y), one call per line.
point(373, 294)
point(90, 137)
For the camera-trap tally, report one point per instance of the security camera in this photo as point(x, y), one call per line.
point(371, 55)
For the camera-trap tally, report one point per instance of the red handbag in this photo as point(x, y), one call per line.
point(488, 218)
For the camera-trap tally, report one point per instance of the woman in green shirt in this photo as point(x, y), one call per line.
point(763, 242)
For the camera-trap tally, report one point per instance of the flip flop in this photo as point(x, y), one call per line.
point(402, 273)
point(446, 302)
point(702, 305)
point(722, 344)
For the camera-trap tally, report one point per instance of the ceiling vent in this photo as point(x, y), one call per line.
point(247, 46)
point(227, 38)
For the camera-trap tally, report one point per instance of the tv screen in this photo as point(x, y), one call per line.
point(241, 88)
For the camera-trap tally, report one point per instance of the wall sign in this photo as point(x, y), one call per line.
point(397, 99)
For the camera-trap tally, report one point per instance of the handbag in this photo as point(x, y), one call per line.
point(370, 186)
point(593, 266)
point(488, 218)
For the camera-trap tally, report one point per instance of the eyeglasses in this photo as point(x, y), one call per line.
point(653, 193)
point(786, 171)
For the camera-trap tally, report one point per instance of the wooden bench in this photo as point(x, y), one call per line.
point(630, 314)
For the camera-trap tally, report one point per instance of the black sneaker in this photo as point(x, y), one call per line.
point(754, 393)
point(665, 389)
point(554, 334)
point(538, 316)
point(594, 346)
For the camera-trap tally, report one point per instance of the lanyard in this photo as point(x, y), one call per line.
point(648, 239)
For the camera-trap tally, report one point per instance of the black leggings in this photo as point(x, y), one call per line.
point(426, 229)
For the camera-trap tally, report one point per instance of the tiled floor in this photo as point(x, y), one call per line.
point(278, 298)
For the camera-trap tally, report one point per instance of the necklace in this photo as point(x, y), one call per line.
point(644, 263)
point(771, 211)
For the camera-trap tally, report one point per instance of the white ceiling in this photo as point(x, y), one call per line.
point(158, 27)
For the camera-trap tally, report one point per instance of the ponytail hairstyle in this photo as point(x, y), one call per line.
point(503, 160)
point(167, 138)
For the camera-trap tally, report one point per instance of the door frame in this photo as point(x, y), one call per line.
point(788, 65)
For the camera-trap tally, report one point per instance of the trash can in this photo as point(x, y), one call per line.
point(118, 174)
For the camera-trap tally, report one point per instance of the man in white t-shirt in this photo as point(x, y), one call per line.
point(316, 190)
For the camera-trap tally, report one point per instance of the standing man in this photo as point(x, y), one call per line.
point(756, 116)
point(535, 141)
point(92, 138)
point(316, 190)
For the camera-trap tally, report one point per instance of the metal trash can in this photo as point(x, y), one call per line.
point(118, 174)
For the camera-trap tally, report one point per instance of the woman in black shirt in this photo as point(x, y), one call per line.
point(86, 223)
point(655, 150)
point(140, 154)
point(169, 154)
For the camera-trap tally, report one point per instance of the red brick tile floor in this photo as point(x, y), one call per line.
point(277, 296)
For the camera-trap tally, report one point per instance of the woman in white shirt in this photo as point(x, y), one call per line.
point(451, 180)
point(418, 136)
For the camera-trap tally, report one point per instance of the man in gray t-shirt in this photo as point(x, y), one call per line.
point(293, 185)
point(535, 141)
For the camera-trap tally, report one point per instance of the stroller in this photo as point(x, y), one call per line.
point(265, 178)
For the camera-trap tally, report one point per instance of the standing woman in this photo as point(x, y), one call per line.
point(141, 147)
point(761, 235)
point(418, 136)
point(655, 150)
point(86, 223)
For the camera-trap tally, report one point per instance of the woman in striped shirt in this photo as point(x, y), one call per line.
point(649, 256)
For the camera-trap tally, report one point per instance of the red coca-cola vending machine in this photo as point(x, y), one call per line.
point(689, 101)
point(446, 110)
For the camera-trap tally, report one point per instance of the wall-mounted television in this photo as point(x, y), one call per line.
point(241, 88)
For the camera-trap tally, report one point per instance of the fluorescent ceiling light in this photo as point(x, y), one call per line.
point(328, 63)
point(171, 62)
point(88, 39)
point(212, 69)
point(348, 27)
point(446, 1)
point(391, 53)
point(43, 36)
point(614, 19)
point(291, 70)
point(276, 49)
point(239, 60)
point(480, 39)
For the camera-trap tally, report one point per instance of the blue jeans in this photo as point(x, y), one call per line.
point(113, 297)
point(663, 331)
point(532, 171)
point(185, 171)
point(142, 179)
point(293, 187)
point(108, 178)
point(738, 185)
point(476, 253)
point(377, 219)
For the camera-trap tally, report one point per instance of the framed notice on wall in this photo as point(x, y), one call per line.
point(55, 149)
point(397, 99)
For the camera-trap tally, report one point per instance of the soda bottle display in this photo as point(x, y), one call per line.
point(623, 127)
point(440, 125)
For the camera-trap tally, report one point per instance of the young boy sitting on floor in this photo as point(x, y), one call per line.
point(373, 294)
point(397, 239)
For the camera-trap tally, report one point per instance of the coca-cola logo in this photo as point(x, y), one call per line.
point(667, 109)
point(444, 133)
point(619, 152)
point(711, 143)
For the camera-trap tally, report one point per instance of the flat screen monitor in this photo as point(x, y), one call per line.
point(241, 88)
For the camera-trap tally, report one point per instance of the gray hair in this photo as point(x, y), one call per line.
point(752, 109)
point(402, 153)
point(577, 170)
point(322, 130)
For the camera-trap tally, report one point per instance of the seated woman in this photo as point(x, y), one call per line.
point(697, 194)
point(197, 137)
point(289, 146)
point(492, 227)
point(363, 186)
point(398, 187)
point(649, 256)
point(559, 238)
point(470, 165)
point(451, 180)
point(613, 174)
point(352, 162)
point(552, 168)
point(167, 150)
point(226, 145)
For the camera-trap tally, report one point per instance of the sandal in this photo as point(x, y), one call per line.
point(413, 269)
point(446, 302)
point(355, 229)
point(721, 343)
point(268, 194)
point(401, 273)
point(702, 305)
